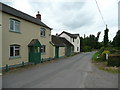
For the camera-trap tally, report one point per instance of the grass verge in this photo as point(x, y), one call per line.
point(102, 65)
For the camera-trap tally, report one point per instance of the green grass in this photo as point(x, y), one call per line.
point(102, 65)
point(94, 57)
point(110, 69)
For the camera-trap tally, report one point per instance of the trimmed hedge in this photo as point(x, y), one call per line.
point(114, 60)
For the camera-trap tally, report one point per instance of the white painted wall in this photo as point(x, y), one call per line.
point(76, 42)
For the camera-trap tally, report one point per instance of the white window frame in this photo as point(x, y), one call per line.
point(77, 48)
point(43, 49)
point(14, 49)
point(43, 31)
point(16, 25)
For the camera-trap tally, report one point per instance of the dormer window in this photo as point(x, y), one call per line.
point(14, 25)
point(42, 32)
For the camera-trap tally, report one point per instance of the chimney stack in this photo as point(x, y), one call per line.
point(38, 16)
point(56, 34)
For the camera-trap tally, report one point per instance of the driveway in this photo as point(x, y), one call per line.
point(72, 72)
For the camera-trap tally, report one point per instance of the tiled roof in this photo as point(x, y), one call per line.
point(71, 35)
point(9, 10)
point(57, 41)
point(66, 42)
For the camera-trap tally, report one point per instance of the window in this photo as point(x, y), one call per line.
point(77, 48)
point(14, 50)
point(73, 39)
point(37, 49)
point(43, 48)
point(14, 25)
point(42, 32)
point(77, 41)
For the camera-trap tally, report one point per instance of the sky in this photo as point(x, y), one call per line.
point(74, 16)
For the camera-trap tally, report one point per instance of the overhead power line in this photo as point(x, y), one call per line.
point(100, 12)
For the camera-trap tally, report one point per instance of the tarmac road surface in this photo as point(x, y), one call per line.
point(72, 72)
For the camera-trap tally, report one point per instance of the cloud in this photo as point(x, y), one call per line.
point(74, 16)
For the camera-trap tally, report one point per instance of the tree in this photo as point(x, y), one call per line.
point(116, 39)
point(106, 40)
point(98, 35)
point(90, 42)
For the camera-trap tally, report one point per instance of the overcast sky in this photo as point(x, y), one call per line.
point(74, 16)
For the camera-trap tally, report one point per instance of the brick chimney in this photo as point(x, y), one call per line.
point(56, 34)
point(38, 16)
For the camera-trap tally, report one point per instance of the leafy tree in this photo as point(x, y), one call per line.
point(106, 37)
point(98, 35)
point(116, 39)
point(90, 42)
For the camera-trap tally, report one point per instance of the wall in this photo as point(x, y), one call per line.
point(52, 51)
point(0, 38)
point(28, 31)
point(76, 42)
point(61, 51)
point(66, 36)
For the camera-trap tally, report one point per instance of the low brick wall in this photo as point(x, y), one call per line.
point(114, 60)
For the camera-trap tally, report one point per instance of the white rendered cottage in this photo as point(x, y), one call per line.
point(73, 39)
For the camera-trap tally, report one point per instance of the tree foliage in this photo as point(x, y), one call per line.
point(90, 42)
point(106, 40)
point(116, 39)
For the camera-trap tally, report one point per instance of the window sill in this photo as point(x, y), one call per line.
point(15, 32)
point(16, 57)
point(43, 53)
point(43, 36)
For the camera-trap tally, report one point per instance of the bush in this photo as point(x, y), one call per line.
point(97, 57)
point(87, 49)
point(114, 61)
point(111, 49)
point(105, 51)
point(101, 50)
point(118, 48)
point(103, 55)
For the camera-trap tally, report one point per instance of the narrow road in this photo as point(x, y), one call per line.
point(73, 72)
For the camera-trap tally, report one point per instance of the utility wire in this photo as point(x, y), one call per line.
point(100, 12)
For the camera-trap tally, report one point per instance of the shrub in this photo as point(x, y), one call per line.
point(103, 55)
point(114, 60)
point(105, 51)
point(86, 48)
point(97, 57)
point(101, 50)
point(111, 49)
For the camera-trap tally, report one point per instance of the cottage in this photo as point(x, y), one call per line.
point(69, 48)
point(73, 39)
point(57, 47)
point(24, 38)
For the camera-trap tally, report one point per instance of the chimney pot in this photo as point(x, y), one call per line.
point(56, 34)
point(38, 15)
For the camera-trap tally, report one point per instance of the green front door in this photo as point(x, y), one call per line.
point(56, 52)
point(34, 51)
point(68, 51)
point(34, 54)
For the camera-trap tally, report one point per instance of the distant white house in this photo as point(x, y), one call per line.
point(73, 39)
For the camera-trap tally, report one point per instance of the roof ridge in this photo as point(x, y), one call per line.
point(22, 15)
